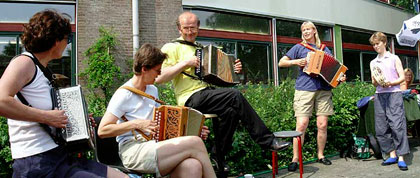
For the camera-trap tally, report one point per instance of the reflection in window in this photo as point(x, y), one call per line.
point(292, 29)
point(285, 72)
point(7, 51)
point(352, 62)
point(255, 61)
point(22, 12)
point(355, 37)
point(366, 58)
point(232, 22)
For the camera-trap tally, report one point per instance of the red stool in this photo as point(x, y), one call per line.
point(287, 134)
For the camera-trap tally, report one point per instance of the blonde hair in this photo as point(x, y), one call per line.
point(412, 76)
point(378, 36)
point(317, 40)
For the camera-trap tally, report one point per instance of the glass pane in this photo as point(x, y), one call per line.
point(22, 12)
point(288, 28)
point(232, 22)
point(254, 58)
point(284, 72)
point(367, 57)
point(63, 66)
point(355, 37)
point(292, 29)
point(352, 62)
point(7, 51)
point(227, 47)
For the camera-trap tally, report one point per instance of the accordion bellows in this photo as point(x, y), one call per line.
point(325, 65)
point(175, 121)
point(216, 67)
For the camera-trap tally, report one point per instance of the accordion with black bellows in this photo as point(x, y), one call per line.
point(78, 135)
point(325, 65)
point(216, 67)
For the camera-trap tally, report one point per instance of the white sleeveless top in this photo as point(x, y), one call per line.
point(29, 138)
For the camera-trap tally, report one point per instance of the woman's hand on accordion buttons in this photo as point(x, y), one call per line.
point(147, 126)
point(301, 62)
point(238, 66)
point(56, 118)
point(205, 132)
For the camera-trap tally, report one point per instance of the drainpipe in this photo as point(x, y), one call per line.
point(135, 10)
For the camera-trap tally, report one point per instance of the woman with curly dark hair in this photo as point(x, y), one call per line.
point(34, 151)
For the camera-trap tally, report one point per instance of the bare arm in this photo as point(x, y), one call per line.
point(19, 72)
point(109, 127)
point(401, 75)
point(286, 62)
point(169, 73)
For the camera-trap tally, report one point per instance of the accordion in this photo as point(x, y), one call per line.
point(320, 63)
point(379, 76)
point(176, 121)
point(78, 135)
point(216, 67)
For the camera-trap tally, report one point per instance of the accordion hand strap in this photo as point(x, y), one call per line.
point(147, 137)
point(142, 93)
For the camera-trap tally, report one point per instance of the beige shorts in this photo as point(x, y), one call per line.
point(304, 102)
point(140, 156)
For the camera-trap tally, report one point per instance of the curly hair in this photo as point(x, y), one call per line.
point(44, 29)
point(147, 56)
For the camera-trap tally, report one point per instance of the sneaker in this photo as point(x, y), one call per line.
point(389, 161)
point(324, 161)
point(278, 145)
point(292, 166)
point(402, 166)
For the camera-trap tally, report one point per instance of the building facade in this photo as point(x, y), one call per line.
point(257, 32)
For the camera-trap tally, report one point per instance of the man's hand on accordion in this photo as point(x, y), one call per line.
point(238, 66)
point(56, 118)
point(205, 132)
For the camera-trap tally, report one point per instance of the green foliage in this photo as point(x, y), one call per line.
point(101, 73)
point(405, 4)
point(5, 154)
point(275, 107)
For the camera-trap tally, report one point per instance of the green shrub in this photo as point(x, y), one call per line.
point(275, 107)
point(5, 154)
point(101, 74)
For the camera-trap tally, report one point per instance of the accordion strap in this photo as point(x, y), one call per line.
point(141, 93)
point(312, 48)
point(50, 77)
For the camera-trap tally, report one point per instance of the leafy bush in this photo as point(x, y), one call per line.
point(5, 154)
point(101, 72)
point(275, 107)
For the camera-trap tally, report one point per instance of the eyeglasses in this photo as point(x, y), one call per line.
point(70, 38)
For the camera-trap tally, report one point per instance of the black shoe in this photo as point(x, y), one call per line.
point(292, 166)
point(278, 145)
point(324, 161)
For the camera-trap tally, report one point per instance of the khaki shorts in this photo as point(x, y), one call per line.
point(140, 156)
point(304, 102)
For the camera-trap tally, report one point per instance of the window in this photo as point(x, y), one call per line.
point(232, 22)
point(8, 49)
point(22, 12)
point(355, 37)
point(292, 29)
point(255, 58)
point(285, 72)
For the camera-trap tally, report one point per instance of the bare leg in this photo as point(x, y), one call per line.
point(174, 151)
point(113, 173)
point(301, 125)
point(188, 168)
point(321, 123)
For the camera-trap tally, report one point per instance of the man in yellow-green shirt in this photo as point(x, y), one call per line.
point(229, 104)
